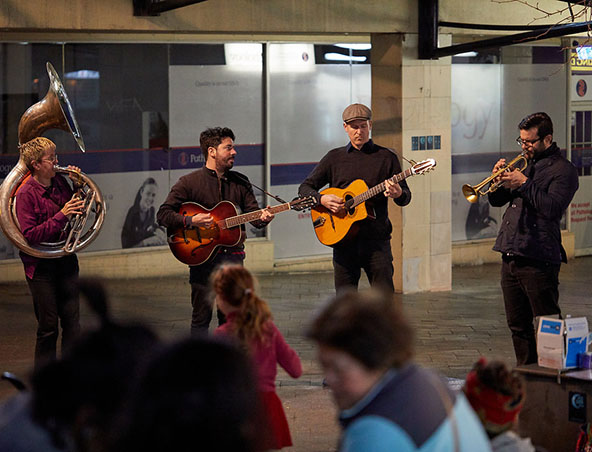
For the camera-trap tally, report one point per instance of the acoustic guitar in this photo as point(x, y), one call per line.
point(194, 246)
point(332, 228)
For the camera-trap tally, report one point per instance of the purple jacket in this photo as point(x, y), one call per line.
point(38, 210)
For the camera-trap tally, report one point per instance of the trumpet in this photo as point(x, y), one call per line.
point(472, 192)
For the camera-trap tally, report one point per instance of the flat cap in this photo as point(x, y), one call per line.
point(356, 111)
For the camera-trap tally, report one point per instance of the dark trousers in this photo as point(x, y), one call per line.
point(54, 290)
point(201, 297)
point(373, 256)
point(530, 290)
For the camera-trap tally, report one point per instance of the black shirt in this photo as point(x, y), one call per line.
point(373, 164)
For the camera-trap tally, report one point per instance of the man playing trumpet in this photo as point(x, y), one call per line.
point(529, 237)
point(44, 204)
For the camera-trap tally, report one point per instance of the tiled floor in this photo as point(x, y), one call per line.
point(452, 328)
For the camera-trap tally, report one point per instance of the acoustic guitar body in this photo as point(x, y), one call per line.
point(330, 228)
point(194, 246)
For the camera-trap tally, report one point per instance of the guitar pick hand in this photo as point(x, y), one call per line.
point(333, 203)
point(202, 220)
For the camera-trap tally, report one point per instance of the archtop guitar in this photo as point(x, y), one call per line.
point(194, 246)
point(332, 228)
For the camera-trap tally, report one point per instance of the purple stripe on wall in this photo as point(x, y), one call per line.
point(130, 160)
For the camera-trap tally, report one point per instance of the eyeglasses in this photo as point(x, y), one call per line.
point(527, 143)
point(52, 159)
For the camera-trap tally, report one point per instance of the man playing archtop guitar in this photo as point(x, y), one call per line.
point(367, 246)
point(208, 186)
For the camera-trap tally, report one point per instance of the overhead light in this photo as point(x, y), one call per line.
point(366, 46)
point(470, 54)
point(340, 57)
point(82, 75)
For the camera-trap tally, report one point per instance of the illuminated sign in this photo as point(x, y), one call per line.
point(584, 53)
point(581, 59)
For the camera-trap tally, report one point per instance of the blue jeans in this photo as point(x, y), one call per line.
point(373, 256)
point(530, 290)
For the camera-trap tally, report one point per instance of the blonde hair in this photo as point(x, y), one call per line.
point(33, 150)
point(236, 286)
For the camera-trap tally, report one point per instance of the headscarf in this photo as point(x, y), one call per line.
point(497, 410)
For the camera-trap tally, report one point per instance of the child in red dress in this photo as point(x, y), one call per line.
point(249, 320)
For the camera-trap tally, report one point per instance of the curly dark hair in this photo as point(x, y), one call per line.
point(541, 121)
point(213, 137)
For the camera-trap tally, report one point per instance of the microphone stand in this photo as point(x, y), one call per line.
point(277, 198)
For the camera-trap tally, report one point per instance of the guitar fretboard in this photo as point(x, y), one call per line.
point(251, 216)
point(377, 189)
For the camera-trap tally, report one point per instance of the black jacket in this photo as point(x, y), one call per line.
point(531, 224)
point(205, 188)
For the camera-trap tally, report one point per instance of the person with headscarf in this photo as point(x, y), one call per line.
point(497, 395)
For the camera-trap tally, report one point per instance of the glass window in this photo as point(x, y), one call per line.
point(490, 95)
point(140, 108)
point(308, 92)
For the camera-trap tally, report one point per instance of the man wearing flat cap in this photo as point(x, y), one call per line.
point(369, 248)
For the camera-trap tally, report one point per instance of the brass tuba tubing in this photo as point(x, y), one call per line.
point(93, 203)
point(78, 222)
point(472, 192)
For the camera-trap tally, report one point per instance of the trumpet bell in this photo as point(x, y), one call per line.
point(470, 193)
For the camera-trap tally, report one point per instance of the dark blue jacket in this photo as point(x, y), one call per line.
point(407, 411)
point(531, 224)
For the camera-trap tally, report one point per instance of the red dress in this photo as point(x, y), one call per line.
point(266, 356)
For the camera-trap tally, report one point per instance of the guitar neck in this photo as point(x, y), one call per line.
point(377, 189)
point(232, 222)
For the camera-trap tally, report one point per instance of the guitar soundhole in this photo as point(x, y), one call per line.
point(351, 210)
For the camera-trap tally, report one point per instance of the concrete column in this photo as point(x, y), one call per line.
point(387, 115)
point(411, 98)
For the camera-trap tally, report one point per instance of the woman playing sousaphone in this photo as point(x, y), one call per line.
point(45, 202)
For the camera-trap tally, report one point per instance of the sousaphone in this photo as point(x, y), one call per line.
point(54, 111)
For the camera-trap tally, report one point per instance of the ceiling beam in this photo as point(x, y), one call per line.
point(577, 2)
point(428, 33)
point(155, 7)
